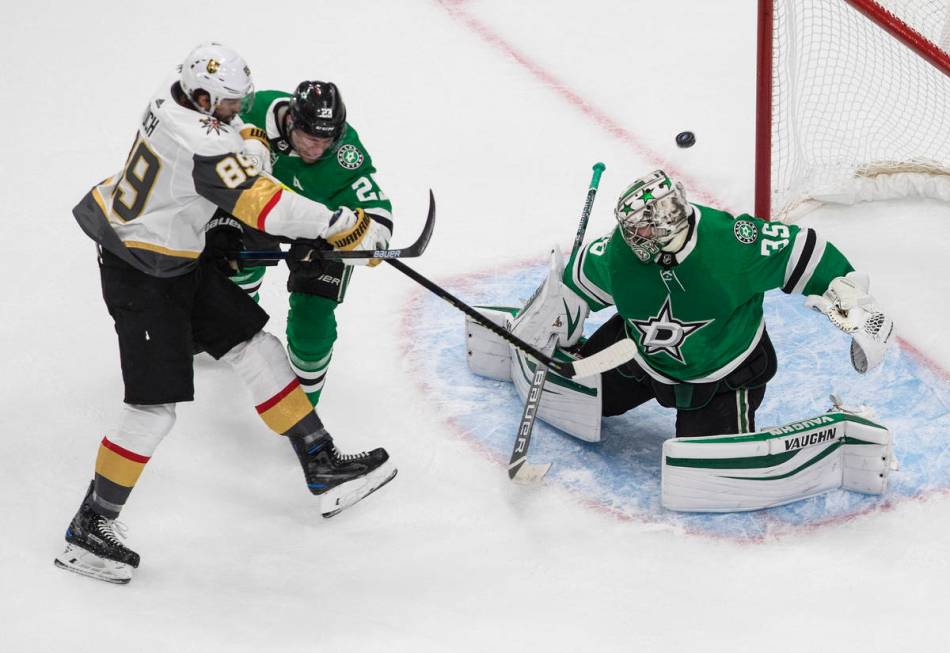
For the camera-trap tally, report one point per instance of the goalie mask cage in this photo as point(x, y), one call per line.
point(852, 102)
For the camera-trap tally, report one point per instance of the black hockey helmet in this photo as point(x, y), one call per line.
point(317, 108)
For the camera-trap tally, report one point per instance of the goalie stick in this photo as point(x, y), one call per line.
point(412, 251)
point(519, 469)
point(617, 354)
point(614, 355)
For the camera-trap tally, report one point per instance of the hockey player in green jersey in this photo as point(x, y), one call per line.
point(188, 171)
point(314, 151)
point(688, 283)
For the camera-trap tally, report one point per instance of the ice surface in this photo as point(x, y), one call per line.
point(621, 474)
point(501, 108)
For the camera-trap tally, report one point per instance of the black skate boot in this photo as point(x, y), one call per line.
point(340, 480)
point(93, 547)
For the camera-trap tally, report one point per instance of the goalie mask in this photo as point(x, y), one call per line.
point(653, 215)
point(220, 72)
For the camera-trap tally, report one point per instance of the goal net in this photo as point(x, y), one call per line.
point(853, 102)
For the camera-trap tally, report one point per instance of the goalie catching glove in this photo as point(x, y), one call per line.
point(850, 308)
point(353, 230)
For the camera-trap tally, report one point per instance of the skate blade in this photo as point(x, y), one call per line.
point(85, 563)
point(343, 496)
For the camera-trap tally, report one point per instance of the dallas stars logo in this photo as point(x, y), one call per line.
point(349, 157)
point(664, 333)
point(745, 232)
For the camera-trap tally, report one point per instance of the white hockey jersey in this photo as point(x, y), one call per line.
point(182, 168)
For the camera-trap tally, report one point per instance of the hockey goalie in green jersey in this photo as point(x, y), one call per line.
point(688, 284)
point(303, 139)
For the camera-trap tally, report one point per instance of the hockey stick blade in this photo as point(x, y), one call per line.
point(412, 251)
point(607, 359)
point(617, 354)
point(528, 473)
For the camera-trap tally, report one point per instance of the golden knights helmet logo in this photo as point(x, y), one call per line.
point(217, 70)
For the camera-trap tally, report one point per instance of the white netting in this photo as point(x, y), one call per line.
point(851, 102)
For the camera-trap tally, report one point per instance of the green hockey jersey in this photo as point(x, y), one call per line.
point(344, 176)
point(697, 314)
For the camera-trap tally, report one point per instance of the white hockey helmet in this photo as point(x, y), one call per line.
point(217, 70)
point(653, 215)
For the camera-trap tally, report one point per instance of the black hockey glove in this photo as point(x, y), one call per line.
point(224, 240)
point(304, 255)
point(312, 275)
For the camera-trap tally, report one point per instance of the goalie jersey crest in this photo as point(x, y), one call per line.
point(696, 314)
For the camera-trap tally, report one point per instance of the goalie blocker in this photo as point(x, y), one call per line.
point(733, 473)
point(572, 405)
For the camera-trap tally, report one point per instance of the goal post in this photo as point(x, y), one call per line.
point(852, 102)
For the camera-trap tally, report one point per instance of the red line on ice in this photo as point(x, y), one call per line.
point(456, 9)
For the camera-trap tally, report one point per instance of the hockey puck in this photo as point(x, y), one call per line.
point(686, 139)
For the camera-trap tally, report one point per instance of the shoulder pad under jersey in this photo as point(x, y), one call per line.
point(197, 132)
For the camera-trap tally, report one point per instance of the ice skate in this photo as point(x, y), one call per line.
point(340, 480)
point(93, 548)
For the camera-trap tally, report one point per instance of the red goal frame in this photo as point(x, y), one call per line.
point(878, 15)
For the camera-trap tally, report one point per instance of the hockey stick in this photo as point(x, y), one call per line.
point(617, 354)
point(607, 359)
point(558, 366)
point(519, 469)
point(414, 250)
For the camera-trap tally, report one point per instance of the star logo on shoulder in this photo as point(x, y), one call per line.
point(663, 333)
point(745, 231)
point(349, 157)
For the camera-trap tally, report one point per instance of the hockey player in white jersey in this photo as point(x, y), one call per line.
point(188, 170)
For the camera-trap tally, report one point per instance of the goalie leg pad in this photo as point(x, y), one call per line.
point(488, 354)
point(574, 406)
point(867, 458)
point(734, 473)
